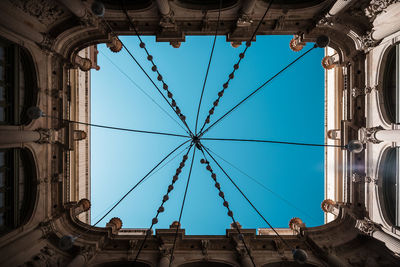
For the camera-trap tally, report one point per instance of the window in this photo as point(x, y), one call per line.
point(17, 188)
point(18, 89)
point(391, 85)
point(389, 185)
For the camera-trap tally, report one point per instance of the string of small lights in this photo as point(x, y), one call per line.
point(243, 194)
point(161, 209)
point(174, 108)
point(226, 204)
point(154, 68)
point(235, 68)
point(141, 89)
point(209, 64)
point(181, 212)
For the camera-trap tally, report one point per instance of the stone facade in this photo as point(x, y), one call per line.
point(57, 41)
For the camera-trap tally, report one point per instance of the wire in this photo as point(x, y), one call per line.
point(226, 204)
point(241, 192)
point(236, 66)
point(209, 64)
point(150, 58)
point(141, 89)
point(138, 183)
point(269, 141)
point(143, 70)
point(264, 186)
point(183, 204)
point(161, 208)
point(116, 128)
point(255, 91)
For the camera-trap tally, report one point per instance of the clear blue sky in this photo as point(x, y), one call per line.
point(291, 108)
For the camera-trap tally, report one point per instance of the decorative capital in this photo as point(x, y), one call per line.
point(46, 136)
point(46, 228)
point(204, 248)
point(367, 41)
point(366, 226)
point(244, 21)
point(367, 135)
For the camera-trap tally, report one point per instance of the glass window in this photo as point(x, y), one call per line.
point(390, 185)
point(391, 85)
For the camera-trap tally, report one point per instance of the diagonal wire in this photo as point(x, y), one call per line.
point(230, 214)
point(143, 70)
point(248, 43)
point(270, 141)
point(153, 222)
point(183, 204)
point(241, 192)
point(138, 183)
point(140, 88)
point(132, 25)
point(255, 91)
point(153, 173)
point(209, 64)
point(263, 186)
point(116, 128)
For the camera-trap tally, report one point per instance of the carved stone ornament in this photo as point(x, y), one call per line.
point(45, 11)
point(355, 92)
point(356, 177)
point(325, 22)
point(376, 7)
point(244, 21)
point(46, 136)
point(371, 180)
point(88, 252)
point(366, 226)
point(204, 248)
point(367, 135)
point(168, 21)
point(46, 228)
point(367, 41)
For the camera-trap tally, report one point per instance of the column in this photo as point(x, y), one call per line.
point(164, 261)
point(75, 6)
point(163, 7)
point(245, 260)
point(377, 135)
point(248, 6)
point(78, 261)
point(368, 227)
point(18, 137)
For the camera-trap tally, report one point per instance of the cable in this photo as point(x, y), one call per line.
point(225, 203)
point(209, 64)
point(116, 128)
point(138, 183)
point(235, 67)
point(140, 88)
point(264, 186)
point(269, 141)
point(241, 192)
point(165, 199)
point(155, 69)
point(183, 204)
point(143, 70)
point(255, 91)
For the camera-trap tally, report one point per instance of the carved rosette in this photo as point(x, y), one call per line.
point(366, 226)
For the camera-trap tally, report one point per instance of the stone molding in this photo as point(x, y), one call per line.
point(376, 7)
point(367, 135)
point(366, 226)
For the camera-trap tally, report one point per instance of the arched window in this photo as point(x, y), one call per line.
point(17, 188)
point(18, 85)
point(391, 85)
point(389, 188)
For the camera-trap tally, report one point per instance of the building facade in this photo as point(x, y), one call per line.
point(47, 49)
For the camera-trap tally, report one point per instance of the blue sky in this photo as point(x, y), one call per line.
point(291, 108)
